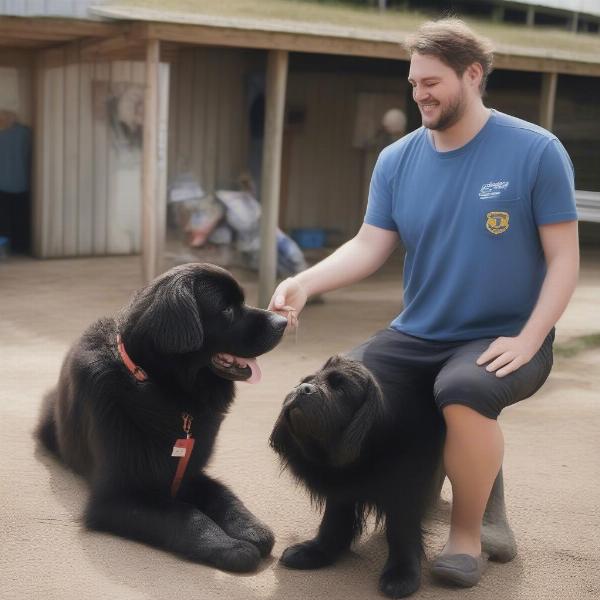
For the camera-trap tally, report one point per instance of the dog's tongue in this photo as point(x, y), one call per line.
point(256, 372)
point(231, 366)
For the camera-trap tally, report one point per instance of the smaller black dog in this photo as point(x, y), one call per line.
point(359, 450)
point(140, 395)
point(357, 453)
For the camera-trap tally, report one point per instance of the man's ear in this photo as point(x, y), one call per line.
point(369, 416)
point(172, 320)
point(474, 74)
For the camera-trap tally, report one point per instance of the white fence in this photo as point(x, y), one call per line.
point(588, 205)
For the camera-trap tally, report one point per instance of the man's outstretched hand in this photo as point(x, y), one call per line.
point(288, 300)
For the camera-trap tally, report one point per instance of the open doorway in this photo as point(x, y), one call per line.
point(15, 158)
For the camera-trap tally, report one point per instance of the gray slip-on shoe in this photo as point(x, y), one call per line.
point(460, 569)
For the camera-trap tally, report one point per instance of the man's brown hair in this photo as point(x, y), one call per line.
point(455, 44)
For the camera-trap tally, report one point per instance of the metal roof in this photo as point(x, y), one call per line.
point(76, 9)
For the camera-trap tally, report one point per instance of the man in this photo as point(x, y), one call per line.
point(484, 205)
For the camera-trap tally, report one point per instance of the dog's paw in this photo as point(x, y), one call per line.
point(498, 541)
point(307, 555)
point(238, 557)
point(258, 535)
point(399, 581)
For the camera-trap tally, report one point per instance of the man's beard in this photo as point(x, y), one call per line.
point(450, 115)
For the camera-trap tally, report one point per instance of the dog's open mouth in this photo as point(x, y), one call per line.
point(236, 368)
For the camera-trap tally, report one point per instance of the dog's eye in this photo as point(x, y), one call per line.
point(335, 379)
point(228, 313)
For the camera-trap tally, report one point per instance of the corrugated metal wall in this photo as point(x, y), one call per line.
point(16, 83)
point(87, 179)
point(48, 8)
point(328, 176)
point(208, 132)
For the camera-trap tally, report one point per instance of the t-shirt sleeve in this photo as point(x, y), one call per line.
point(379, 207)
point(553, 196)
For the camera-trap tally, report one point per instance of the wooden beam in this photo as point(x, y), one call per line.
point(100, 48)
point(548, 100)
point(150, 200)
point(277, 68)
point(272, 40)
point(533, 64)
point(302, 42)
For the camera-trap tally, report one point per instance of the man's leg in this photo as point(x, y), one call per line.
point(471, 398)
point(473, 454)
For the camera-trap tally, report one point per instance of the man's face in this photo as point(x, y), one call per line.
point(439, 92)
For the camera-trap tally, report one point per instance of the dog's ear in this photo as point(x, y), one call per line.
point(171, 319)
point(366, 419)
point(333, 361)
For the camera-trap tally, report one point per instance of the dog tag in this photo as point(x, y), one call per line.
point(183, 450)
point(178, 450)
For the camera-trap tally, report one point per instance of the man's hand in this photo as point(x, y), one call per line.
point(507, 354)
point(288, 300)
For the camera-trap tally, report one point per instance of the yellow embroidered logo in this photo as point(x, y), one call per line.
point(497, 222)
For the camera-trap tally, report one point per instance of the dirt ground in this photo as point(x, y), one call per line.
point(552, 470)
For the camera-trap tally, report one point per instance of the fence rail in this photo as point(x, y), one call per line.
point(588, 206)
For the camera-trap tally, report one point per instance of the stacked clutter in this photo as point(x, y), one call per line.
point(228, 218)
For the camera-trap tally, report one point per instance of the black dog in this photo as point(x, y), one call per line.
point(359, 451)
point(358, 454)
point(140, 395)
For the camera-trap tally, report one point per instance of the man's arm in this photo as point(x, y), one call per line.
point(355, 260)
point(561, 250)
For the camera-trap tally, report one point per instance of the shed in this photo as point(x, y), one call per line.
point(80, 83)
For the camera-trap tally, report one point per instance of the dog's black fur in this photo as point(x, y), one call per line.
point(359, 451)
point(118, 433)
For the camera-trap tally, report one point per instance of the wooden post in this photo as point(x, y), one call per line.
point(38, 172)
point(498, 14)
point(547, 100)
point(530, 18)
point(277, 66)
point(150, 200)
point(574, 22)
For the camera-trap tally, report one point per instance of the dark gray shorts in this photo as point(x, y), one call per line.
point(404, 364)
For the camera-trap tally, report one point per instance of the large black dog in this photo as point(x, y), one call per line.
point(358, 451)
point(140, 395)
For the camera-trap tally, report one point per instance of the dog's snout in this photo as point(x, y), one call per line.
point(307, 388)
point(278, 321)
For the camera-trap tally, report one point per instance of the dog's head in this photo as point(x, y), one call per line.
point(328, 418)
point(199, 309)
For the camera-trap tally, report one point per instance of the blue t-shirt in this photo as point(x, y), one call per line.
point(469, 219)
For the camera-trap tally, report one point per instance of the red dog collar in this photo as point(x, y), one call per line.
point(136, 371)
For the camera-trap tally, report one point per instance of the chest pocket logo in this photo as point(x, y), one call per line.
point(497, 222)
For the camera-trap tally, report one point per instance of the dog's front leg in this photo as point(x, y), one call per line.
point(338, 528)
point(401, 575)
point(173, 526)
point(228, 511)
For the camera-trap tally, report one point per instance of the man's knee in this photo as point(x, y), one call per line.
point(456, 413)
point(466, 393)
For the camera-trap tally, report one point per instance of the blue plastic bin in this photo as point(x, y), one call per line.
point(309, 237)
